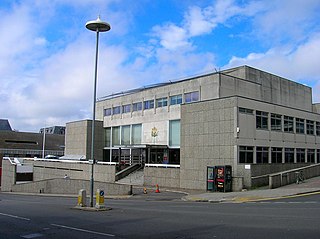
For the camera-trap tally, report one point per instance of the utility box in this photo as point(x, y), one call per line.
point(219, 178)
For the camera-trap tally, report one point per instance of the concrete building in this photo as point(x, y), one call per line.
point(27, 144)
point(54, 130)
point(254, 121)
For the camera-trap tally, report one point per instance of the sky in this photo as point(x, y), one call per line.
point(47, 55)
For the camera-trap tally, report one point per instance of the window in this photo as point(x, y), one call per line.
point(310, 127)
point(136, 134)
point(116, 110)
point(318, 155)
point(310, 156)
point(276, 122)
point(289, 155)
point(137, 106)
point(149, 104)
point(174, 132)
point(175, 100)
point(245, 154)
point(262, 154)
point(162, 102)
point(116, 135)
point(245, 111)
point(126, 108)
point(261, 120)
point(299, 126)
point(276, 155)
point(301, 155)
point(318, 128)
point(107, 137)
point(107, 112)
point(125, 135)
point(191, 97)
point(288, 124)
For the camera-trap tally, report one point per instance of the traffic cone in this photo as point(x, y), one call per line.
point(157, 189)
point(144, 190)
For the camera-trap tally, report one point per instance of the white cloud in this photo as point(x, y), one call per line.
point(299, 63)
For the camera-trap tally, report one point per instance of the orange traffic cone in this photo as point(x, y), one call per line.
point(144, 190)
point(157, 189)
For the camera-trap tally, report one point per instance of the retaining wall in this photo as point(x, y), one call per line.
point(70, 186)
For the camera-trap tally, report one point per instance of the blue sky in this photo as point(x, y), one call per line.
point(47, 55)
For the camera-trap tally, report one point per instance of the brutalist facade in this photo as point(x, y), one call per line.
point(257, 122)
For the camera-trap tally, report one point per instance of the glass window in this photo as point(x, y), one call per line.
point(310, 127)
point(176, 100)
point(288, 124)
point(301, 155)
point(125, 135)
point(191, 97)
point(137, 106)
point(245, 154)
point(311, 156)
point(162, 102)
point(276, 155)
point(299, 126)
point(245, 111)
point(116, 110)
point(149, 104)
point(289, 155)
point(318, 155)
point(116, 135)
point(107, 137)
point(107, 112)
point(318, 128)
point(261, 120)
point(174, 132)
point(126, 108)
point(262, 154)
point(136, 134)
point(276, 122)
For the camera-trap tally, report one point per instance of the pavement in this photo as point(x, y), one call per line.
point(309, 186)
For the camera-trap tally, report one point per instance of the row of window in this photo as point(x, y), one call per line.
point(246, 154)
point(123, 135)
point(132, 134)
point(284, 123)
point(150, 104)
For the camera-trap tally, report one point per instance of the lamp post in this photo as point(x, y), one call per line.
point(97, 26)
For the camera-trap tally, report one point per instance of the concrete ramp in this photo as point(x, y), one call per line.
point(70, 187)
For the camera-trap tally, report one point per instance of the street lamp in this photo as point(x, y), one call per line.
point(97, 26)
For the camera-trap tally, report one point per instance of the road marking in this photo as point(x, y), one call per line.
point(83, 230)
point(34, 235)
point(14, 216)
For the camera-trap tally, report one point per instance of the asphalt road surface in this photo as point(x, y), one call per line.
point(158, 216)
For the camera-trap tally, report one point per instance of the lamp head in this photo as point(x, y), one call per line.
point(98, 25)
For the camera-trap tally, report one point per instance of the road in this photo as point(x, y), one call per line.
point(154, 216)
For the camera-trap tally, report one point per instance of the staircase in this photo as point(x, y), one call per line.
point(135, 178)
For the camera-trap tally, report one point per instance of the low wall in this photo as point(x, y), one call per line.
point(54, 169)
point(70, 186)
point(288, 177)
point(164, 177)
point(47, 170)
point(8, 176)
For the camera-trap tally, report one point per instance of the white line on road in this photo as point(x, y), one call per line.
point(14, 216)
point(83, 230)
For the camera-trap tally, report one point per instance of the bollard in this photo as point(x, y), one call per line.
point(82, 197)
point(100, 199)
